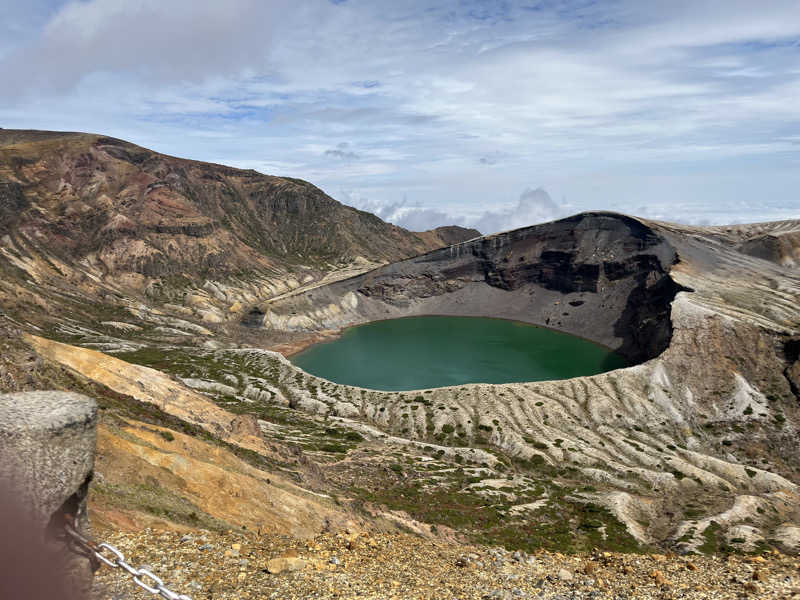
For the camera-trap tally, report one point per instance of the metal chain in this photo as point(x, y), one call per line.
point(117, 560)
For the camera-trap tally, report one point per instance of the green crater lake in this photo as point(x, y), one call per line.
point(427, 352)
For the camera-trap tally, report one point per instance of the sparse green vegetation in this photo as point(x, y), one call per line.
point(710, 543)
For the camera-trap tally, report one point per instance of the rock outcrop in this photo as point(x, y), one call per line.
point(47, 451)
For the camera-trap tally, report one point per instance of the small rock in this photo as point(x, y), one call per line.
point(751, 587)
point(334, 560)
point(564, 575)
point(284, 564)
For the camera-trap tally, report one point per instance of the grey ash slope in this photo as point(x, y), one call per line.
point(697, 442)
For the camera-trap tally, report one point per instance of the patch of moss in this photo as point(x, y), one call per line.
point(710, 543)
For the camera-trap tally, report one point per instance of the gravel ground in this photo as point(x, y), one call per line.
point(401, 566)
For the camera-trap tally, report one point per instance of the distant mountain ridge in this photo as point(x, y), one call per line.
point(101, 199)
point(449, 235)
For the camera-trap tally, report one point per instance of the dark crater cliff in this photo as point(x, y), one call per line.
point(602, 276)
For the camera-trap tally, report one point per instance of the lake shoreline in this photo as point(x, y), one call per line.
point(446, 350)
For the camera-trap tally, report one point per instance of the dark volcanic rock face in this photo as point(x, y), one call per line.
point(563, 256)
point(598, 275)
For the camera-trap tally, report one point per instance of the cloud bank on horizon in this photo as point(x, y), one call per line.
point(533, 206)
point(463, 111)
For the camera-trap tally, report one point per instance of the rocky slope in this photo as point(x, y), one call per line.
point(91, 219)
point(131, 210)
point(693, 449)
point(402, 567)
point(696, 441)
point(190, 274)
point(449, 235)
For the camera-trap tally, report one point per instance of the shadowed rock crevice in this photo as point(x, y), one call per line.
point(791, 350)
point(645, 323)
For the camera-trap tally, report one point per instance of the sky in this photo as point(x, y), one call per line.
point(488, 114)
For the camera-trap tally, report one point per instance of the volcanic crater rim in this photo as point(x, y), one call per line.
point(601, 277)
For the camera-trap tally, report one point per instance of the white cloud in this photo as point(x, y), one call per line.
point(176, 41)
point(534, 206)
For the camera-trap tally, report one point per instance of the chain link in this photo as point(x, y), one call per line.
point(115, 559)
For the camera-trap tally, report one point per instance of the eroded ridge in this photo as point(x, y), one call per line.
point(626, 441)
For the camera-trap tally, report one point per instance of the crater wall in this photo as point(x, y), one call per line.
point(601, 276)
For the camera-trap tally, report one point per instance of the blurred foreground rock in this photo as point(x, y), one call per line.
point(47, 451)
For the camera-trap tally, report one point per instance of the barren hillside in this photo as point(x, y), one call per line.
point(163, 287)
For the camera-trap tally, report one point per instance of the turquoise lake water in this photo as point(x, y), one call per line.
point(425, 352)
